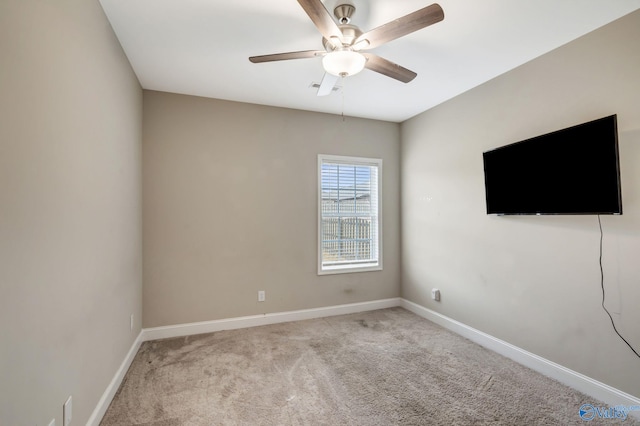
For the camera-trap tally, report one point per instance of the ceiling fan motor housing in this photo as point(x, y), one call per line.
point(349, 34)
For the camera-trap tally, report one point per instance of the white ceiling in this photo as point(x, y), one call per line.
point(201, 47)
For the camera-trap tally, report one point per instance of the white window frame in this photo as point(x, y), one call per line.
point(358, 267)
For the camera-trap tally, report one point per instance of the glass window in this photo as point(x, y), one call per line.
point(349, 219)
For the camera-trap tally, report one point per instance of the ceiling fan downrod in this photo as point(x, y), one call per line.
point(344, 12)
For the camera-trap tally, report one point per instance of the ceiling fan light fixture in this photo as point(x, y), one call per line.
point(343, 62)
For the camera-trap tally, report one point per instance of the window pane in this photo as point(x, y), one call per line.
point(346, 239)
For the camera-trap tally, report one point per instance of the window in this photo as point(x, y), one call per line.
point(349, 214)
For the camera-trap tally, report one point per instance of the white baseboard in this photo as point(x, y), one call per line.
point(264, 319)
point(109, 393)
point(573, 379)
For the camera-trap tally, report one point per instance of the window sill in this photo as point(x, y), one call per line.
point(347, 269)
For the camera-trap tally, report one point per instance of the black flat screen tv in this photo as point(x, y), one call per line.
point(571, 171)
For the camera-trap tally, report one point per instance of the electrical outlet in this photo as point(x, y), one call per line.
point(131, 322)
point(435, 294)
point(67, 412)
point(261, 296)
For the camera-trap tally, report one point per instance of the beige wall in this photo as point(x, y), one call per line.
point(230, 208)
point(532, 281)
point(70, 208)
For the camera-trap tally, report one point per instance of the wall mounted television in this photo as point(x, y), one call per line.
point(571, 171)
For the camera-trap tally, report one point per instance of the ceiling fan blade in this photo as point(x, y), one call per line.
point(286, 56)
point(402, 26)
point(321, 18)
point(388, 68)
point(327, 84)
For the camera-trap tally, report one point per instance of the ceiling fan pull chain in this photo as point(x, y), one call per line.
point(343, 87)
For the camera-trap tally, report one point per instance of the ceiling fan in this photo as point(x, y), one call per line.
point(344, 43)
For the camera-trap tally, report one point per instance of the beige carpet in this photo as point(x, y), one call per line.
point(386, 367)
